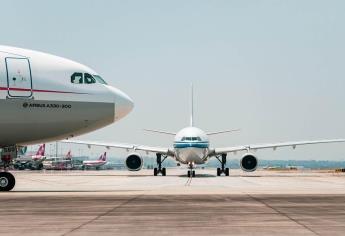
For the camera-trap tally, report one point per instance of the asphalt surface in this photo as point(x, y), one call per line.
point(123, 203)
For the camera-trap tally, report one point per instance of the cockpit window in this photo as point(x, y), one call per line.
point(99, 79)
point(191, 139)
point(77, 78)
point(88, 79)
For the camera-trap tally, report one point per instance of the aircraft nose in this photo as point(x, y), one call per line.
point(122, 102)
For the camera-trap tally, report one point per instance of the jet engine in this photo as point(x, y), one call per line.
point(134, 162)
point(249, 162)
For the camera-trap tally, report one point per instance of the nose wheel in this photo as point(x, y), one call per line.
point(7, 181)
point(159, 169)
point(191, 172)
point(222, 170)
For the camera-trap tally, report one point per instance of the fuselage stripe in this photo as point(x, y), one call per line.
point(38, 90)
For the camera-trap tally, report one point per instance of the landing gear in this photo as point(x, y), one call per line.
point(222, 170)
point(7, 181)
point(191, 172)
point(160, 170)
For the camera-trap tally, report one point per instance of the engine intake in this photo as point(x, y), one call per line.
point(249, 162)
point(134, 162)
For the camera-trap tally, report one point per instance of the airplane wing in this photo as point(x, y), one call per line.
point(274, 146)
point(126, 146)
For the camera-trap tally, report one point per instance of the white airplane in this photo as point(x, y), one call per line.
point(46, 98)
point(192, 147)
point(102, 160)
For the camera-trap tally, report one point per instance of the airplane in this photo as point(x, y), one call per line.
point(46, 98)
point(192, 147)
point(59, 163)
point(34, 162)
point(102, 160)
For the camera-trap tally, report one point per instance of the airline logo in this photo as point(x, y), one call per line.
point(103, 157)
point(40, 152)
point(69, 155)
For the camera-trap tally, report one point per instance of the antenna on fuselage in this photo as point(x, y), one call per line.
point(192, 107)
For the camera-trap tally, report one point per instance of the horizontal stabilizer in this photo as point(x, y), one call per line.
point(224, 131)
point(159, 131)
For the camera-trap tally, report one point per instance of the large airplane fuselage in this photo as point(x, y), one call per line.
point(45, 97)
point(191, 146)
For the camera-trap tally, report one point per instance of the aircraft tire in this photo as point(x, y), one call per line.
point(218, 172)
point(164, 171)
point(7, 181)
point(188, 174)
point(193, 173)
point(155, 171)
point(227, 171)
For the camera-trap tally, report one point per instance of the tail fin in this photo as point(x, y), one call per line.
point(103, 157)
point(69, 155)
point(41, 150)
point(192, 107)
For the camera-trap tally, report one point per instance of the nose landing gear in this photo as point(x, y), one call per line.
point(159, 170)
point(191, 172)
point(222, 170)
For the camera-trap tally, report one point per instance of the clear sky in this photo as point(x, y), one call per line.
point(275, 69)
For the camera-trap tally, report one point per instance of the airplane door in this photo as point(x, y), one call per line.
point(19, 81)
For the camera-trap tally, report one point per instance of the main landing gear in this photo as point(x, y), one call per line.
point(191, 172)
point(7, 181)
point(222, 170)
point(160, 170)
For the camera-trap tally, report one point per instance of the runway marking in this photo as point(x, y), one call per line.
point(103, 214)
point(283, 214)
point(189, 181)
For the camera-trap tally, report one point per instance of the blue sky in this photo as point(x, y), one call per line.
point(275, 69)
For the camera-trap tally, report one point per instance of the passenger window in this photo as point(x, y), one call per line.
point(77, 78)
point(88, 79)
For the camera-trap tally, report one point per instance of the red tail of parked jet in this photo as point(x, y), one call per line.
point(41, 150)
point(69, 155)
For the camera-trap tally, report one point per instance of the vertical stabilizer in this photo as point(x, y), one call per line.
point(192, 107)
point(41, 150)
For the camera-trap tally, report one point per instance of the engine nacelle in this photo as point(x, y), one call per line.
point(249, 162)
point(134, 162)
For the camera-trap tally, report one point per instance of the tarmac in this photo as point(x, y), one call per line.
point(137, 203)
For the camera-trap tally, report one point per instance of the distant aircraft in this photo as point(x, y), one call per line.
point(192, 147)
point(59, 163)
point(33, 162)
point(47, 98)
point(102, 160)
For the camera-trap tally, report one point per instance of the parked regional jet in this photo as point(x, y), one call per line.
point(102, 160)
point(45, 98)
point(192, 147)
